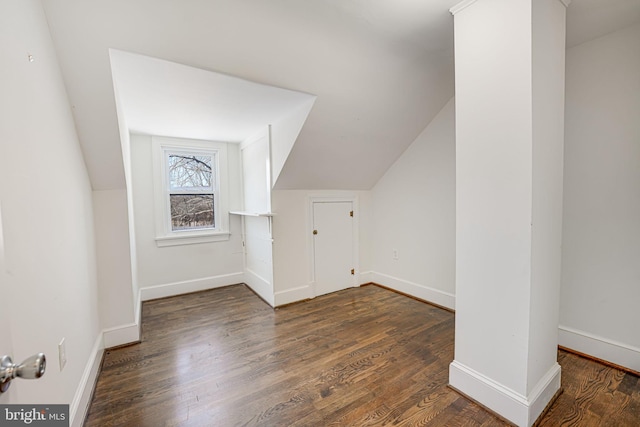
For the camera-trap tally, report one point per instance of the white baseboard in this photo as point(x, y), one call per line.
point(599, 347)
point(543, 392)
point(293, 295)
point(82, 399)
point(520, 410)
point(121, 335)
point(260, 286)
point(177, 288)
point(426, 293)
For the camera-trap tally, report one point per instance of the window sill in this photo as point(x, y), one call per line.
point(191, 238)
point(243, 213)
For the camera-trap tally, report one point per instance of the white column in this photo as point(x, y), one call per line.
point(509, 58)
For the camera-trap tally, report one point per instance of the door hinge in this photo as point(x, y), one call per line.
point(353, 271)
point(351, 213)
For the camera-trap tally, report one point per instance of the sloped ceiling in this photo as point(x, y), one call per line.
point(590, 19)
point(381, 69)
point(378, 84)
point(159, 97)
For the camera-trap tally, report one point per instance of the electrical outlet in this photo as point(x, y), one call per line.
point(62, 354)
point(395, 254)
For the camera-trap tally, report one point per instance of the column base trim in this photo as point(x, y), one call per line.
point(521, 410)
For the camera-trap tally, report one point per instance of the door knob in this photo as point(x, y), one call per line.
point(31, 368)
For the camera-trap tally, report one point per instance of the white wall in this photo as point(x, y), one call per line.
point(413, 211)
point(258, 268)
point(116, 253)
point(47, 215)
point(256, 165)
point(548, 80)
point(600, 290)
point(116, 297)
point(256, 188)
point(125, 142)
point(292, 241)
point(170, 270)
point(284, 134)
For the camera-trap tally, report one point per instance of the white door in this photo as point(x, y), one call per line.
point(333, 246)
point(5, 324)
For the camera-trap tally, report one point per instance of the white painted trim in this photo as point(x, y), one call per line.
point(461, 6)
point(543, 392)
point(520, 410)
point(121, 335)
point(288, 296)
point(566, 3)
point(260, 286)
point(417, 290)
point(425, 293)
point(254, 214)
point(80, 403)
point(177, 288)
point(602, 348)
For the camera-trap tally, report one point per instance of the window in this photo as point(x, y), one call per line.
point(190, 202)
point(191, 190)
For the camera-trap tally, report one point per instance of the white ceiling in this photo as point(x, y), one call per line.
point(159, 97)
point(381, 70)
point(590, 19)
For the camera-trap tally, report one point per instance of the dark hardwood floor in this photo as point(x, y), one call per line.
point(360, 357)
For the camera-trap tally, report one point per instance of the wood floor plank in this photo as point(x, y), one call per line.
point(360, 357)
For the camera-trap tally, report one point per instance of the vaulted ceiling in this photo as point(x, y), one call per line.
point(159, 97)
point(380, 69)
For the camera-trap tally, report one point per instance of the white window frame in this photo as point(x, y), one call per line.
point(165, 236)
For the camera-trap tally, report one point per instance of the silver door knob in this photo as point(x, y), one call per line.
point(31, 368)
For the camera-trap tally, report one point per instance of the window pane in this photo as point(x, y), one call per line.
point(190, 171)
point(191, 211)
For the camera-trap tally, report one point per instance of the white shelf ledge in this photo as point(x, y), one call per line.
point(242, 213)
